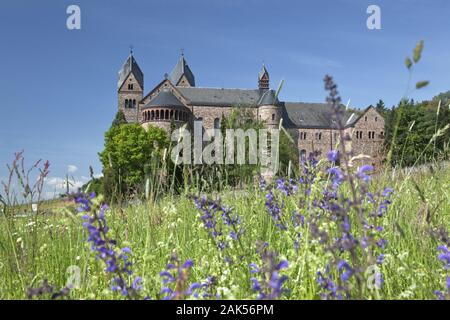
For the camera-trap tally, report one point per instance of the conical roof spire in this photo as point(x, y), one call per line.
point(130, 66)
point(263, 78)
point(180, 70)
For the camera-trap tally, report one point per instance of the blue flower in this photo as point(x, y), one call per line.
point(338, 176)
point(269, 284)
point(219, 221)
point(362, 172)
point(117, 264)
point(348, 271)
point(333, 156)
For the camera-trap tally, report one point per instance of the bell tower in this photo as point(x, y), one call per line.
point(263, 78)
point(130, 88)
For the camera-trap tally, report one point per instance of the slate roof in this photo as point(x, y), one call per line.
point(220, 96)
point(312, 115)
point(130, 66)
point(263, 72)
point(181, 69)
point(268, 97)
point(164, 99)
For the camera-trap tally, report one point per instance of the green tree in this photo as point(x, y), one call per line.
point(119, 119)
point(128, 149)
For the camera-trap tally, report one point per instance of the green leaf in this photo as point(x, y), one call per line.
point(408, 63)
point(421, 84)
point(418, 51)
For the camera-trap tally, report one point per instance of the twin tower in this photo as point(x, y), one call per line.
point(176, 100)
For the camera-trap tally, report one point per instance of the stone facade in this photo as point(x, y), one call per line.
point(176, 101)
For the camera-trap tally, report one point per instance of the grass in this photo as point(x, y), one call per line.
point(45, 246)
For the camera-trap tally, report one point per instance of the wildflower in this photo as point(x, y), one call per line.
point(444, 256)
point(269, 284)
point(327, 285)
point(175, 280)
point(362, 172)
point(348, 271)
point(116, 261)
point(47, 289)
point(338, 176)
point(287, 187)
point(219, 221)
point(333, 156)
point(274, 210)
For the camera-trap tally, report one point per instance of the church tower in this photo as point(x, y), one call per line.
point(263, 78)
point(182, 75)
point(269, 110)
point(130, 89)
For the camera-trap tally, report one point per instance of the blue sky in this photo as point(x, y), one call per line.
point(58, 87)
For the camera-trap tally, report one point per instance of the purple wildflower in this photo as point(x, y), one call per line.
point(219, 221)
point(117, 263)
point(266, 280)
point(362, 172)
point(333, 156)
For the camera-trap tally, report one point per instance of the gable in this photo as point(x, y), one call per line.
point(130, 79)
point(370, 115)
point(160, 87)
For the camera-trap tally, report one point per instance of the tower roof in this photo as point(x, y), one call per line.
point(164, 99)
point(181, 69)
point(263, 72)
point(130, 66)
point(268, 98)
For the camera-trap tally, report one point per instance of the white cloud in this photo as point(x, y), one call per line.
point(54, 182)
point(71, 168)
point(59, 184)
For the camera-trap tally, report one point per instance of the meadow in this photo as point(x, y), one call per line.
point(271, 247)
point(334, 229)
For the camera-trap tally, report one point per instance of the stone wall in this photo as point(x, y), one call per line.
point(322, 140)
point(210, 113)
point(364, 143)
point(271, 115)
point(136, 94)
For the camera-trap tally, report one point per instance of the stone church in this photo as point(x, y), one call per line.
point(177, 100)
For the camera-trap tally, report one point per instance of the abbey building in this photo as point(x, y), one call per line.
point(177, 100)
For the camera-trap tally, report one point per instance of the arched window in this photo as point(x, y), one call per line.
point(157, 114)
point(216, 123)
point(176, 115)
point(126, 103)
point(376, 119)
point(134, 103)
point(130, 86)
point(273, 116)
point(152, 115)
point(171, 114)
point(167, 114)
point(365, 118)
point(302, 155)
